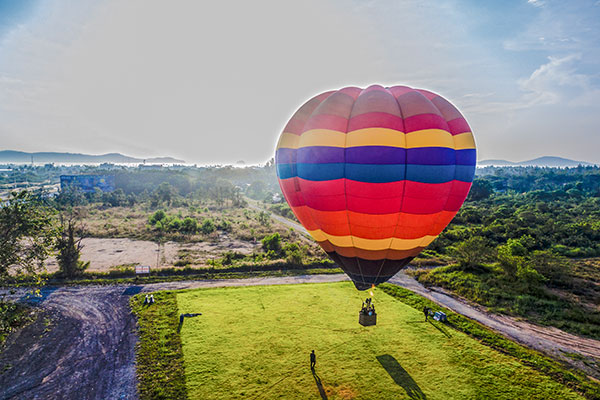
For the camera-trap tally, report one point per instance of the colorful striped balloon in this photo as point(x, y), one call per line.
point(375, 174)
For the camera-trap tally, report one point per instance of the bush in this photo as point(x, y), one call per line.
point(208, 226)
point(175, 225)
point(189, 225)
point(272, 243)
point(158, 215)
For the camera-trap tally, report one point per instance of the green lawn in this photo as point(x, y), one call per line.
point(254, 343)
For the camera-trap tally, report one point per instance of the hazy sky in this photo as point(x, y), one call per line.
point(216, 81)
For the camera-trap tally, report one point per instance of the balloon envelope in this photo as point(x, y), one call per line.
point(375, 174)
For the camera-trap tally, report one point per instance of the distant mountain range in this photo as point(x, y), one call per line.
point(21, 157)
point(546, 161)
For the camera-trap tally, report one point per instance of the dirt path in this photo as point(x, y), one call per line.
point(255, 205)
point(80, 347)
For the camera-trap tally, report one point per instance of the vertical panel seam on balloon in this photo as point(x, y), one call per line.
point(345, 190)
point(403, 187)
point(454, 179)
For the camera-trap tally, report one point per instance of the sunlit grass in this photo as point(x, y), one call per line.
point(254, 342)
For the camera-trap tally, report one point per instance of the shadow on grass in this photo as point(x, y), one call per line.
point(319, 385)
point(440, 328)
point(401, 377)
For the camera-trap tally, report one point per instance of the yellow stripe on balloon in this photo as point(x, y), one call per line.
point(372, 244)
point(464, 141)
point(322, 137)
point(377, 137)
point(429, 138)
point(288, 141)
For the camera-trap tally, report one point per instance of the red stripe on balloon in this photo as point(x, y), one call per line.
point(424, 121)
point(326, 121)
point(376, 120)
point(375, 198)
point(458, 125)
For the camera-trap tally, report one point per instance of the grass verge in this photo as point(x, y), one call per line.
point(159, 357)
point(100, 278)
point(567, 303)
point(536, 360)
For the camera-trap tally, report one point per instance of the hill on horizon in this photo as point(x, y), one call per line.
point(21, 157)
point(544, 161)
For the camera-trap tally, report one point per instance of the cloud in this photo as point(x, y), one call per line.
point(536, 3)
point(558, 82)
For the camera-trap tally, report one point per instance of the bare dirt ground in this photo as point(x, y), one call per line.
point(104, 254)
point(81, 346)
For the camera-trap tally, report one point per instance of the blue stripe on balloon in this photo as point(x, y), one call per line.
point(285, 156)
point(377, 155)
point(377, 173)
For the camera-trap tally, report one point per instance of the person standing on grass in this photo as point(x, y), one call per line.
point(313, 360)
point(426, 312)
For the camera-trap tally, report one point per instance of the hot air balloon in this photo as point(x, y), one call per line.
point(375, 174)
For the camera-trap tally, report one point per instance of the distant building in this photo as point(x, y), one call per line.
point(88, 183)
point(276, 198)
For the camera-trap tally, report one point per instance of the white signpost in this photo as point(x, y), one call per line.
point(142, 270)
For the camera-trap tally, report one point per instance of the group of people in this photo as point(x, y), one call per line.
point(149, 299)
point(368, 307)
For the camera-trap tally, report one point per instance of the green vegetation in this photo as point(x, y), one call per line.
point(489, 286)
point(69, 249)
point(27, 234)
point(127, 275)
point(516, 246)
point(253, 342)
point(488, 337)
point(12, 316)
point(159, 357)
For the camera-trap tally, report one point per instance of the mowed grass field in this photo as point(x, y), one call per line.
point(254, 343)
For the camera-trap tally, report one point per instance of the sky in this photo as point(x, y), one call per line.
point(214, 82)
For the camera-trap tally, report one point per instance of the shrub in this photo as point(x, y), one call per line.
point(189, 225)
point(208, 226)
point(158, 215)
point(272, 243)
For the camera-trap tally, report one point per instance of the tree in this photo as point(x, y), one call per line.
point(472, 252)
point(264, 218)
point(480, 189)
point(256, 190)
point(164, 193)
point(27, 234)
point(69, 248)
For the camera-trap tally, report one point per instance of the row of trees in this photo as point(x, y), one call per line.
point(164, 195)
